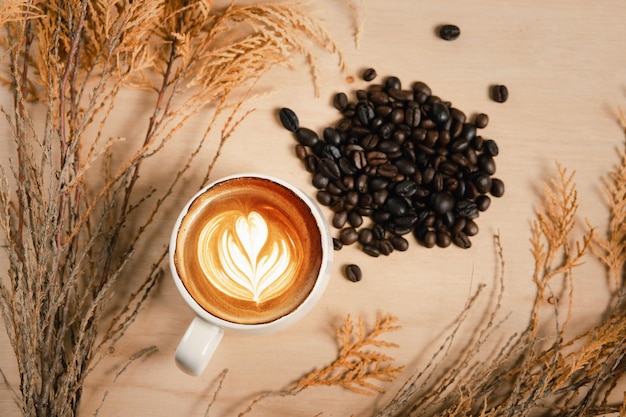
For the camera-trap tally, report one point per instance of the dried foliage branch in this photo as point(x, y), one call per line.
point(538, 372)
point(74, 205)
point(359, 366)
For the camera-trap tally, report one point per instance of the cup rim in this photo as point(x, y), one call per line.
point(322, 277)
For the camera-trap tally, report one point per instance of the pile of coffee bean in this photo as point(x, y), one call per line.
point(400, 161)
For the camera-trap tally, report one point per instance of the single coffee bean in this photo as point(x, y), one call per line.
point(340, 101)
point(385, 247)
point(329, 168)
point(430, 239)
point(324, 198)
point(462, 241)
point(337, 245)
point(301, 152)
point(482, 183)
point(366, 236)
point(483, 202)
point(500, 93)
point(471, 228)
point(443, 202)
point(491, 147)
point(466, 208)
point(371, 250)
point(289, 119)
point(497, 187)
point(307, 137)
point(369, 74)
point(481, 121)
point(487, 164)
point(443, 239)
point(392, 82)
point(348, 236)
point(353, 273)
point(438, 113)
point(320, 181)
point(399, 243)
point(339, 219)
point(355, 219)
point(331, 136)
point(449, 32)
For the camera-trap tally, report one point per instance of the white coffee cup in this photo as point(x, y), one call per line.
point(206, 272)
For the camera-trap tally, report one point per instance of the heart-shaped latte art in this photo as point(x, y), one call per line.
point(246, 257)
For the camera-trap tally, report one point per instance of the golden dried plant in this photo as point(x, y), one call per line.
point(360, 367)
point(74, 205)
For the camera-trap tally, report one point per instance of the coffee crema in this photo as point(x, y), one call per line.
point(248, 250)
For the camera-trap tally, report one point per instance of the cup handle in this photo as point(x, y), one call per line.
point(198, 345)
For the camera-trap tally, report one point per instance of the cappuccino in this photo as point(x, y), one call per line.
point(248, 250)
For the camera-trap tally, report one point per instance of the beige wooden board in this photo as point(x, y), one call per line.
point(565, 68)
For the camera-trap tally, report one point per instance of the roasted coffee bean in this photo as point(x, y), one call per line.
point(497, 187)
point(385, 247)
point(401, 95)
point(364, 113)
point(307, 137)
point(399, 243)
point(376, 158)
point(328, 151)
point(378, 183)
point(483, 202)
point(340, 101)
point(482, 183)
point(449, 32)
point(471, 228)
point(392, 82)
point(388, 170)
point(319, 181)
point(429, 239)
point(378, 231)
point(370, 141)
point(466, 208)
point(311, 163)
point(329, 168)
point(355, 219)
point(390, 147)
point(324, 198)
point(481, 120)
point(339, 219)
point(443, 202)
point(500, 93)
point(289, 119)
point(346, 166)
point(397, 206)
point(379, 198)
point(412, 115)
point(366, 236)
point(487, 164)
point(438, 113)
point(491, 147)
point(348, 235)
point(443, 239)
point(406, 188)
point(331, 136)
point(353, 273)
point(371, 250)
point(337, 245)
point(461, 240)
point(301, 152)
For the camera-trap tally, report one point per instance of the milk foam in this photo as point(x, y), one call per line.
point(245, 257)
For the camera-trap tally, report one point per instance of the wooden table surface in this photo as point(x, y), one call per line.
point(564, 64)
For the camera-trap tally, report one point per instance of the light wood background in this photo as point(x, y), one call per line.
point(565, 66)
